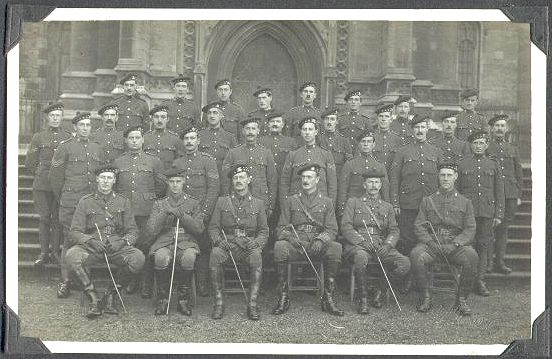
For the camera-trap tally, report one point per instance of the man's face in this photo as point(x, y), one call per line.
point(449, 125)
point(130, 87)
point(214, 115)
point(330, 123)
point(308, 95)
point(447, 177)
point(160, 119)
point(176, 184)
point(181, 89)
point(264, 101)
point(54, 118)
point(251, 131)
point(384, 120)
point(224, 92)
point(469, 103)
point(366, 144)
point(372, 185)
point(105, 181)
point(420, 131)
point(309, 180)
point(500, 128)
point(83, 128)
point(354, 103)
point(479, 146)
point(134, 140)
point(276, 125)
point(309, 132)
point(240, 181)
point(402, 109)
point(191, 142)
point(109, 118)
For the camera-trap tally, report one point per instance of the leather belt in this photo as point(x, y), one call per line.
point(240, 232)
point(307, 228)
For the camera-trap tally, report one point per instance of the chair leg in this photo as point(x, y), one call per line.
point(194, 290)
point(352, 287)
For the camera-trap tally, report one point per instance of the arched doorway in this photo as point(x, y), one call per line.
point(276, 54)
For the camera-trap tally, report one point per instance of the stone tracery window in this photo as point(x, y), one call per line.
point(468, 54)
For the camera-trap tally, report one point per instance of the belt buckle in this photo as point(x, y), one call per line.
point(108, 230)
point(239, 232)
point(308, 228)
point(371, 230)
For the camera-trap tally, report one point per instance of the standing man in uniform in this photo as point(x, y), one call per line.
point(238, 226)
point(39, 159)
point(71, 177)
point(451, 216)
point(133, 110)
point(370, 213)
point(215, 140)
point(315, 228)
point(507, 157)
point(202, 183)
point(161, 141)
point(183, 113)
point(142, 181)
point(453, 148)
point(107, 135)
point(292, 119)
point(480, 180)
point(264, 109)
point(111, 214)
point(401, 124)
point(352, 123)
point(276, 141)
point(333, 141)
point(309, 154)
point(414, 174)
point(162, 226)
point(233, 112)
point(351, 178)
point(260, 164)
point(469, 120)
point(387, 142)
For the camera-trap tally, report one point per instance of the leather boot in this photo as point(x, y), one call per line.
point(363, 286)
point(94, 308)
point(425, 301)
point(461, 305)
point(162, 278)
point(501, 242)
point(184, 306)
point(328, 303)
point(109, 300)
point(63, 290)
point(216, 280)
point(490, 263)
point(42, 259)
point(481, 288)
point(407, 284)
point(254, 285)
point(376, 301)
point(283, 288)
point(146, 285)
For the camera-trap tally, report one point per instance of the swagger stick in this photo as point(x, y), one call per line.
point(235, 265)
point(174, 262)
point(111, 273)
point(452, 271)
point(381, 265)
point(306, 255)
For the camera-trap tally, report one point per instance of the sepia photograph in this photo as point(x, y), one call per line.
point(351, 182)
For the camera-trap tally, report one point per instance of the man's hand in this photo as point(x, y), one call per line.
point(316, 247)
point(449, 248)
point(496, 222)
point(97, 245)
point(368, 246)
point(115, 246)
point(384, 249)
point(294, 241)
point(224, 245)
point(434, 246)
point(252, 244)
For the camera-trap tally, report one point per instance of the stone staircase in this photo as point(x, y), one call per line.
point(518, 256)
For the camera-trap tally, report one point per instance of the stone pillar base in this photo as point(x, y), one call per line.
point(77, 87)
point(106, 81)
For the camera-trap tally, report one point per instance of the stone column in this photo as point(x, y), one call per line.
point(202, 30)
point(330, 77)
point(108, 55)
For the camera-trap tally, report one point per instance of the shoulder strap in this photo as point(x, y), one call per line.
point(372, 215)
point(232, 209)
point(309, 216)
point(435, 208)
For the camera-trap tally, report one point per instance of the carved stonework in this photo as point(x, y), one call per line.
point(78, 82)
point(444, 96)
point(189, 45)
point(342, 58)
point(399, 87)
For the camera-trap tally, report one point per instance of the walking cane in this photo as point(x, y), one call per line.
point(306, 255)
point(381, 265)
point(452, 271)
point(174, 262)
point(111, 273)
point(235, 265)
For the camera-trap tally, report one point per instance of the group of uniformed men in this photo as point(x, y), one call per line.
point(391, 186)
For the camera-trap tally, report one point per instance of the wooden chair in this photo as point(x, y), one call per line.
point(301, 277)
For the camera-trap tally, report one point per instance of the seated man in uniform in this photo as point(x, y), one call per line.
point(445, 227)
point(238, 227)
point(110, 214)
point(370, 229)
point(162, 225)
point(307, 222)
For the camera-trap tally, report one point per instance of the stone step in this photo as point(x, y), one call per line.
point(518, 262)
point(519, 231)
point(25, 193)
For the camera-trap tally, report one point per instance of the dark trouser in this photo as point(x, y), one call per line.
point(483, 239)
point(501, 231)
point(406, 226)
point(396, 265)
point(284, 251)
point(252, 257)
point(203, 258)
point(49, 228)
point(465, 257)
point(65, 219)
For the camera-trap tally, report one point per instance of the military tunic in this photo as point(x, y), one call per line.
point(339, 146)
point(386, 146)
point(202, 179)
point(351, 124)
point(453, 149)
point(183, 114)
point(233, 114)
point(469, 122)
point(295, 115)
point(216, 142)
point(507, 157)
point(133, 111)
point(112, 142)
point(401, 127)
point(164, 144)
point(290, 182)
point(262, 170)
point(351, 180)
point(280, 146)
point(263, 124)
